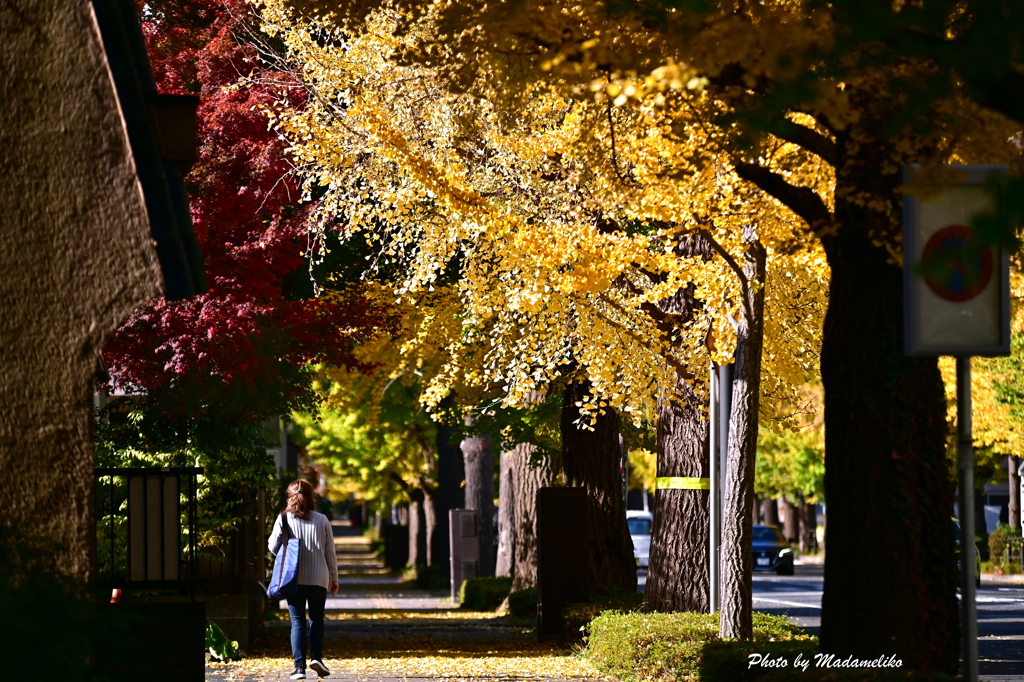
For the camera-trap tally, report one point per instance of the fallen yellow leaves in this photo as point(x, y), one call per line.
point(449, 645)
point(444, 665)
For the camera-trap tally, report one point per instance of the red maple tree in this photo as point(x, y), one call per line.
point(243, 347)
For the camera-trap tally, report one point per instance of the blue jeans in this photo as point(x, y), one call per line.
point(316, 597)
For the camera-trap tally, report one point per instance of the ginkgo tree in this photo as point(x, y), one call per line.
point(616, 240)
point(866, 120)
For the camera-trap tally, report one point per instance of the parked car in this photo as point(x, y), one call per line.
point(771, 551)
point(639, 523)
point(977, 555)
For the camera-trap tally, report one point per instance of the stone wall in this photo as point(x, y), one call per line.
point(76, 257)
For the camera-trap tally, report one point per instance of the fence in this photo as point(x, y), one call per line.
point(146, 525)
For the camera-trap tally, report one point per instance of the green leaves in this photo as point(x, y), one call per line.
point(221, 648)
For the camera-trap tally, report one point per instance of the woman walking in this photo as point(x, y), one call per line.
point(318, 572)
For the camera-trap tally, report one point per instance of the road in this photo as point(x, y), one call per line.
point(1000, 616)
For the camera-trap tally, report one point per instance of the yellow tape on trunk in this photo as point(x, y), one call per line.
point(682, 483)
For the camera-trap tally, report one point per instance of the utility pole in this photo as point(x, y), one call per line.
point(718, 452)
point(965, 469)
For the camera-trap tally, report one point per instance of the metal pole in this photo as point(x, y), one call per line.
point(965, 465)
point(713, 475)
point(725, 409)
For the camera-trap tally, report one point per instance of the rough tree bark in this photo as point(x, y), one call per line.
point(736, 619)
point(808, 527)
point(885, 417)
point(478, 460)
point(791, 524)
point(677, 579)
point(1014, 480)
point(506, 561)
point(528, 479)
point(593, 460)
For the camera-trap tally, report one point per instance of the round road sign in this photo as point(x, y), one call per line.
point(955, 266)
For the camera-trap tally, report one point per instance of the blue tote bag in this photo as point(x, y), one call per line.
point(285, 579)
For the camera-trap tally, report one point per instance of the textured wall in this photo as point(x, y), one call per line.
point(76, 257)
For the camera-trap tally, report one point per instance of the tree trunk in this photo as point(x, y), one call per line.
point(528, 479)
point(980, 527)
point(890, 580)
point(506, 561)
point(1014, 481)
point(478, 459)
point(791, 524)
point(417, 529)
point(593, 460)
point(431, 519)
point(737, 614)
point(449, 495)
point(769, 512)
point(808, 527)
point(677, 578)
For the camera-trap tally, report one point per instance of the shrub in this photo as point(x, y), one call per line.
point(667, 646)
point(522, 604)
point(484, 594)
point(425, 577)
point(578, 616)
point(731, 662)
point(997, 542)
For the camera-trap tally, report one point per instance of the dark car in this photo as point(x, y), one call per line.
point(771, 551)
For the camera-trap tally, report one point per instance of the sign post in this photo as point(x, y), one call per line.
point(956, 302)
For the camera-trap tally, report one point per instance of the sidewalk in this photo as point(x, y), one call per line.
point(379, 629)
point(992, 578)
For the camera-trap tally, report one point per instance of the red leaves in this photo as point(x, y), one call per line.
point(244, 343)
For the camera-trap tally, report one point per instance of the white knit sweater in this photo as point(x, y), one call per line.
point(318, 561)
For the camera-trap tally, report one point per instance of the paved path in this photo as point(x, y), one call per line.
point(379, 629)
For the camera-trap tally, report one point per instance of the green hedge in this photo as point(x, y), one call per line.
point(578, 616)
point(667, 646)
point(484, 594)
point(522, 604)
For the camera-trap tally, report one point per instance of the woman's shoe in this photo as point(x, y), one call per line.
point(320, 668)
point(297, 674)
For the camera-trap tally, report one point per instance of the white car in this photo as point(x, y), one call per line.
point(640, 533)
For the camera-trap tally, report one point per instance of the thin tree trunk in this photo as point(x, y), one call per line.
point(417, 529)
point(431, 520)
point(592, 459)
point(791, 524)
point(737, 555)
point(885, 416)
point(980, 526)
point(528, 479)
point(1014, 481)
point(479, 466)
point(506, 562)
point(677, 578)
point(769, 512)
point(808, 527)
